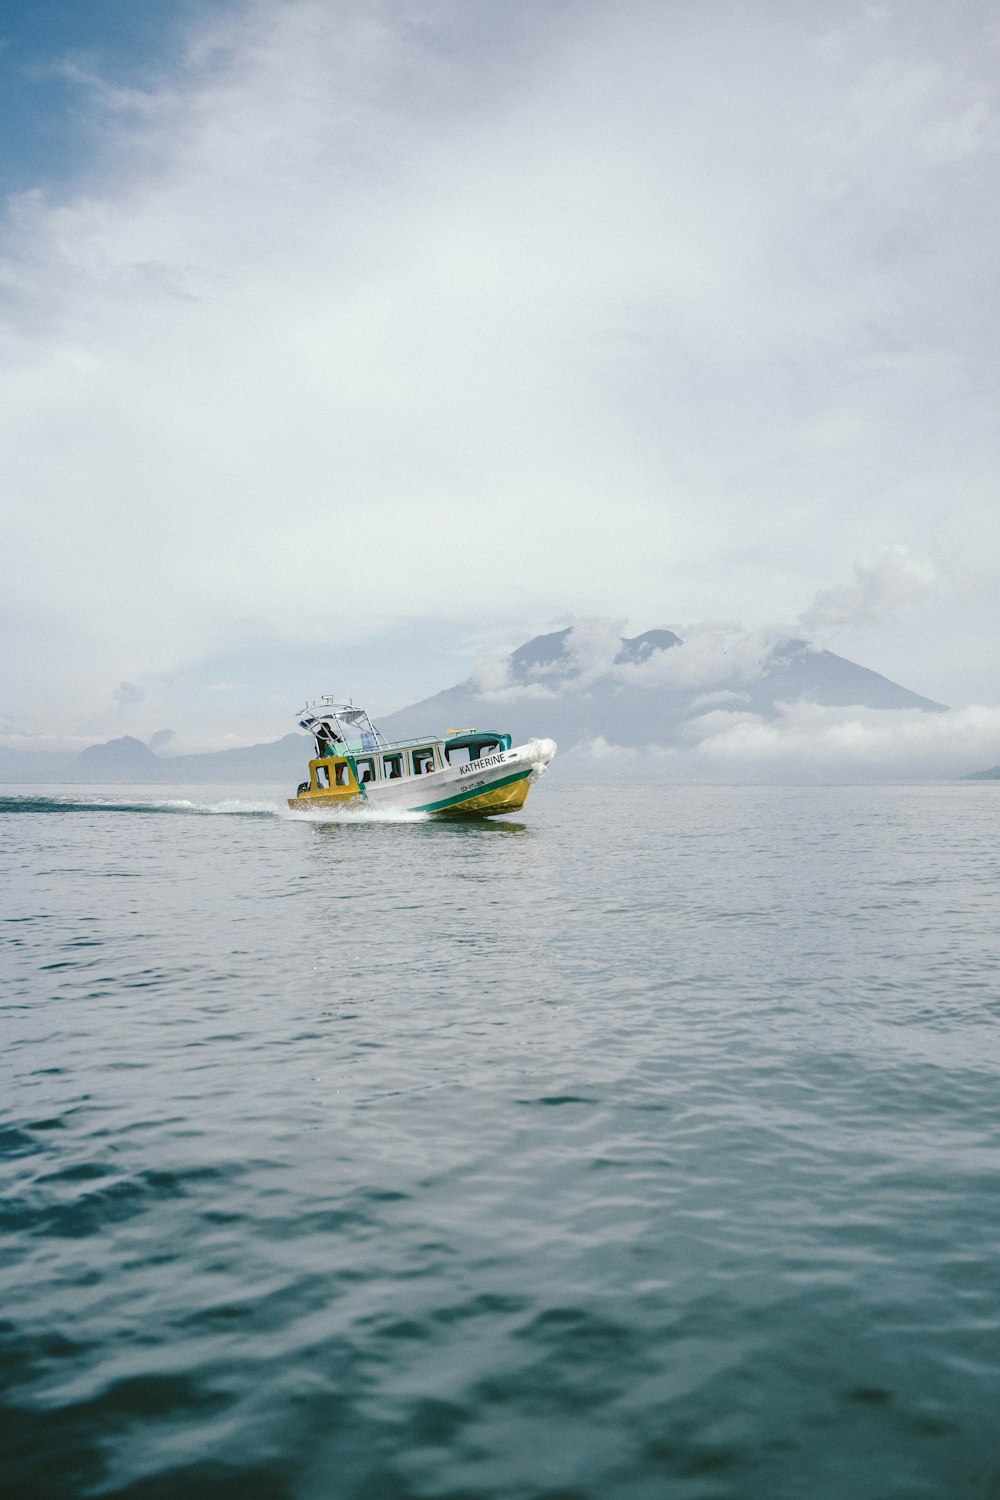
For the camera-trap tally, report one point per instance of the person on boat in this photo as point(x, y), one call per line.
point(327, 741)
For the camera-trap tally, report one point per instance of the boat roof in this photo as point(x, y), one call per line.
point(332, 719)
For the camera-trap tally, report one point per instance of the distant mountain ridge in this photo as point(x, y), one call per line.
point(109, 761)
point(635, 699)
point(545, 652)
point(548, 694)
point(131, 760)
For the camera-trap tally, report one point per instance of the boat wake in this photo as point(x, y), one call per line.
point(233, 807)
point(356, 814)
point(228, 807)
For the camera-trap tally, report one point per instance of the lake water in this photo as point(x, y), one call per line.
point(644, 1148)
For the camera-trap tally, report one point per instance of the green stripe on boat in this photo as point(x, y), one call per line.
point(474, 791)
point(354, 771)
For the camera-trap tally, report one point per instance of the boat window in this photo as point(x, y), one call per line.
point(422, 760)
point(392, 766)
point(323, 776)
point(343, 774)
point(457, 755)
point(366, 771)
point(490, 748)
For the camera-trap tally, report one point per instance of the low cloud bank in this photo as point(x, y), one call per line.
point(706, 657)
point(806, 741)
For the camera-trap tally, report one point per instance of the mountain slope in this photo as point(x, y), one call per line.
point(124, 759)
point(642, 697)
point(130, 760)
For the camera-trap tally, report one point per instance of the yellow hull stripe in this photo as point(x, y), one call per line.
point(502, 796)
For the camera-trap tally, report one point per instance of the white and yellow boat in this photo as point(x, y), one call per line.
point(468, 773)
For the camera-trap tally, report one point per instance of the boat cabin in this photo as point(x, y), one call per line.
point(346, 769)
point(351, 754)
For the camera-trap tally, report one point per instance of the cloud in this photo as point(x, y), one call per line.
point(490, 677)
point(601, 749)
point(591, 648)
point(880, 588)
point(586, 656)
point(707, 655)
point(371, 313)
point(725, 698)
point(896, 742)
point(125, 696)
point(809, 742)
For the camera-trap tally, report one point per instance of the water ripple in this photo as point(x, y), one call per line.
point(646, 1148)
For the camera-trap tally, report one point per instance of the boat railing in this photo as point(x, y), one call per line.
point(386, 747)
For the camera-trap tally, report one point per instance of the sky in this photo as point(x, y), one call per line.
point(345, 346)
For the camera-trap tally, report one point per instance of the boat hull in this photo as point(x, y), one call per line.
point(473, 790)
point(504, 796)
